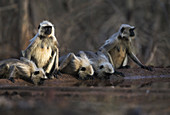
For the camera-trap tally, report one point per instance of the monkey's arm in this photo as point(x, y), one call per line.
point(12, 71)
point(30, 49)
point(109, 44)
point(136, 60)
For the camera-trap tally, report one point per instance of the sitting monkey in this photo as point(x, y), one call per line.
point(43, 47)
point(119, 46)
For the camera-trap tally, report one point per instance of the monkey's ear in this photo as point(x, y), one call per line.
point(39, 27)
point(122, 29)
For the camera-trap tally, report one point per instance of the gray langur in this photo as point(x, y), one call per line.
point(119, 46)
point(101, 65)
point(23, 68)
point(42, 48)
point(77, 65)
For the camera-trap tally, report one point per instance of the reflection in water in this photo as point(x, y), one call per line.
point(143, 77)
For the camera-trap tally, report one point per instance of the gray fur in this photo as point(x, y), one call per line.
point(73, 64)
point(99, 60)
point(23, 68)
point(119, 46)
point(43, 48)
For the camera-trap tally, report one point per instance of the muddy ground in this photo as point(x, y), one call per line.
point(140, 92)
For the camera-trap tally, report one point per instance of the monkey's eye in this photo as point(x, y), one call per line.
point(83, 69)
point(122, 29)
point(36, 72)
point(101, 67)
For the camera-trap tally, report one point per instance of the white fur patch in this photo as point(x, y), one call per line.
point(47, 23)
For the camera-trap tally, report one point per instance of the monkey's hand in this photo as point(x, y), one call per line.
point(119, 73)
point(59, 73)
point(12, 79)
point(147, 67)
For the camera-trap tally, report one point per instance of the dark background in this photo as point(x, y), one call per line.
point(86, 24)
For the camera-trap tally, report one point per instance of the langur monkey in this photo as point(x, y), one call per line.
point(43, 47)
point(101, 65)
point(119, 46)
point(77, 65)
point(23, 68)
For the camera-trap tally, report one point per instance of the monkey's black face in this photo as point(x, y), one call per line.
point(132, 33)
point(127, 32)
point(47, 30)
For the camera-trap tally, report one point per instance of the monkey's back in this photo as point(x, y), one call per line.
point(97, 57)
point(90, 54)
point(70, 68)
point(23, 67)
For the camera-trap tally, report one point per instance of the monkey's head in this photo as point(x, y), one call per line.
point(46, 28)
point(38, 76)
point(126, 31)
point(85, 67)
point(102, 66)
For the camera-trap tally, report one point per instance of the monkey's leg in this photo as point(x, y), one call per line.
point(51, 67)
point(125, 61)
point(23, 53)
point(57, 64)
point(136, 60)
point(51, 63)
point(57, 59)
point(66, 61)
point(110, 58)
point(124, 65)
point(12, 71)
point(4, 68)
point(107, 55)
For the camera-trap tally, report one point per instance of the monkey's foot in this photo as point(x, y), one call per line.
point(119, 73)
point(12, 79)
point(125, 67)
point(50, 76)
point(56, 75)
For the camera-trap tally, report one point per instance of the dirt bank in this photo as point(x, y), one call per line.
point(139, 92)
